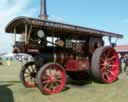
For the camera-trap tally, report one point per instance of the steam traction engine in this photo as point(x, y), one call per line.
point(60, 49)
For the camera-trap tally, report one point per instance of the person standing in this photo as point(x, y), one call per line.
point(126, 65)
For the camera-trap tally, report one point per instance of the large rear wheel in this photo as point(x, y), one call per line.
point(105, 64)
point(51, 78)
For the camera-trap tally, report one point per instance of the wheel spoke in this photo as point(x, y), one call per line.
point(103, 64)
point(58, 81)
point(31, 67)
point(112, 58)
point(46, 81)
point(106, 76)
point(113, 65)
point(53, 72)
point(31, 78)
point(58, 78)
point(51, 86)
point(34, 68)
point(48, 72)
point(45, 77)
point(103, 69)
point(29, 70)
point(46, 85)
point(56, 72)
point(112, 73)
point(27, 76)
point(27, 73)
point(111, 61)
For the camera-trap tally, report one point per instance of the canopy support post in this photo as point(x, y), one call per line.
point(26, 31)
point(14, 36)
point(110, 40)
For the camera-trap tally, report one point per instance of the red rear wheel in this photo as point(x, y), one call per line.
point(51, 78)
point(105, 64)
point(28, 74)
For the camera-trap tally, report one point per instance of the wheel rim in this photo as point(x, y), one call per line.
point(109, 65)
point(29, 75)
point(53, 79)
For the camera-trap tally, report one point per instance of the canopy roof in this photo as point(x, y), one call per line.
point(56, 27)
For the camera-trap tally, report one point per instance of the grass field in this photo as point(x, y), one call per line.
point(11, 90)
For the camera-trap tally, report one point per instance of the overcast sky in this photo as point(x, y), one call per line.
point(108, 15)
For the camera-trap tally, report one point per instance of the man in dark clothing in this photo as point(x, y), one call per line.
point(126, 66)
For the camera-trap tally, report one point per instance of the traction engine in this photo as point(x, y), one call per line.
point(60, 49)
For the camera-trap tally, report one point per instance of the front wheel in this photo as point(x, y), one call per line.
point(28, 74)
point(105, 65)
point(51, 78)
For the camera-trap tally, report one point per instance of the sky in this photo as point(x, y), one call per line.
point(107, 15)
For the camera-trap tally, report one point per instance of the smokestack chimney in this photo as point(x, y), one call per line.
point(43, 11)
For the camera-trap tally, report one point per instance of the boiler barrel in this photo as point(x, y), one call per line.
point(53, 56)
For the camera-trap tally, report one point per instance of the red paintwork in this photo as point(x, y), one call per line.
point(77, 65)
point(30, 84)
point(53, 81)
point(109, 63)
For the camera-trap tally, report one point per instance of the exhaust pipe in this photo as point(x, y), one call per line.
point(43, 11)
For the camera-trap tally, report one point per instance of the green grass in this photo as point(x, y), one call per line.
point(11, 90)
